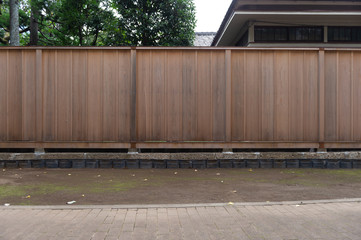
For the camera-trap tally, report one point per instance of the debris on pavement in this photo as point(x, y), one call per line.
point(71, 202)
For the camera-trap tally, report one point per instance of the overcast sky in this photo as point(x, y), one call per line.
point(210, 14)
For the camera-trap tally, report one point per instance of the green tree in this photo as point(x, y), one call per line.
point(154, 22)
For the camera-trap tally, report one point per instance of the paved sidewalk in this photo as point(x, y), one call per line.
point(338, 220)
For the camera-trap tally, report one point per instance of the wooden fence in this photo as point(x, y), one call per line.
point(180, 98)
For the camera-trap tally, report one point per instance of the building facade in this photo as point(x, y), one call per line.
point(291, 23)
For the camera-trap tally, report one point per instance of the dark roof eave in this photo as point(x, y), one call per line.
point(224, 22)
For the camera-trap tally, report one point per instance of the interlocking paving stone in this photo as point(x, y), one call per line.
point(290, 221)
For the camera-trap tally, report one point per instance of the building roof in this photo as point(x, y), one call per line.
point(251, 6)
point(204, 39)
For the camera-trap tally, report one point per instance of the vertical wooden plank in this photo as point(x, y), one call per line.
point(312, 98)
point(267, 65)
point(253, 96)
point(49, 95)
point(110, 96)
point(64, 95)
point(356, 96)
point(281, 80)
point(218, 96)
point(133, 96)
point(94, 97)
point(344, 100)
point(29, 95)
point(39, 95)
point(157, 96)
point(79, 95)
point(3, 94)
point(228, 109)
point(174, 95)
point(126, 94)
point(321, 98)
point(204, 96)
point(331, 68)
point(143, 94)
point(15, 105)
point(296, 79)
point(189, 103)
point(238, 103)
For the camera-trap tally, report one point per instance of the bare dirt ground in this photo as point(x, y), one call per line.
point(162, 186)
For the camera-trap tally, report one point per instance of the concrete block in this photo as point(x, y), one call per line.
point(145, 164)
point(346, 164)
point(118, 163)
point(160, 163)
point(105, 163)
point(200, 164)
point(319, 163)
point(227, 163)
point(305, 163)
point(91, 164)
point(266, 163)
point(185, 164)
point(2, 164)
point(292, 163)
point(132, 164)
point(24, 164)
point(253, 163)
point(279, 163)
point(333, 164)
point(38, 163)
point(65, 163)
point(78, 163)
point(357, 164)
point(172, 163)
point(239, 163)
point(51, 164)
point(11, 164)
point(213, 164)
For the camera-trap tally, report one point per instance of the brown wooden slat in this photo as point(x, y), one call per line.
point(39, 93)
point(15, 95)
point(94, 97)
point(238, 95)
point(79, 89)
point(3, 94)
point(356, 96)
point(29, 96)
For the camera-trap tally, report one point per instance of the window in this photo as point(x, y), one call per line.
point(344, 34)
point(291, 34)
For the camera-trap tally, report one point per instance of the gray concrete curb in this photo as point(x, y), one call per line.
point(146, 206)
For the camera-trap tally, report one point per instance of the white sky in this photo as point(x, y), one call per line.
point(210, 14)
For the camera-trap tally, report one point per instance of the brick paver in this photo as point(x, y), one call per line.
point(289, 222)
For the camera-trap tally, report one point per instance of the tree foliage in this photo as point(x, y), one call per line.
point(102, 22)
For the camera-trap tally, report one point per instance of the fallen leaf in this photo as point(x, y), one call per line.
point(83, 195)
point(133, 175)
point(145, 179)
point(234, 191)
point(28, 196)
point(250, 170)
point(221, 181)
point(175, 173)
point(218, 174)
point(99, 176)
point(230, 203)
point(69, 174)
point(195, 170)
point(4, 170)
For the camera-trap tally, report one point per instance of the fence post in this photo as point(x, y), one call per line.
point(133, 98)
point(321, 97)
point(39, 95)
point(228, 68)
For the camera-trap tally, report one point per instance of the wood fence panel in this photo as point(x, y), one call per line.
point(238, 95)
point(95, 96)
point(63, 93)
point(268, 95)
point(356, 93)
point(214, 96)
point(79, 95)
point(331, 73)
point(3, 95)
point(218, 96)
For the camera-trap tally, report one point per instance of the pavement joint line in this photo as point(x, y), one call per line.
point(191, 205)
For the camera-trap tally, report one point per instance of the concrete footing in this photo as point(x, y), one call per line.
point(331, 160)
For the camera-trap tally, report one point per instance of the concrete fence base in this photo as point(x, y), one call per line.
point(330, 160)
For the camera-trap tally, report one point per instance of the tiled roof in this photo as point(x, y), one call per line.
point(204, 39)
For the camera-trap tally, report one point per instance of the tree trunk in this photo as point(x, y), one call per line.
point(14, 23)
point(34, 27)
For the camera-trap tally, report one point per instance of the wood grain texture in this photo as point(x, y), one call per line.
point(169, 96)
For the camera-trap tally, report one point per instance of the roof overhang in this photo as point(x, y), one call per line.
point(239, 18)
